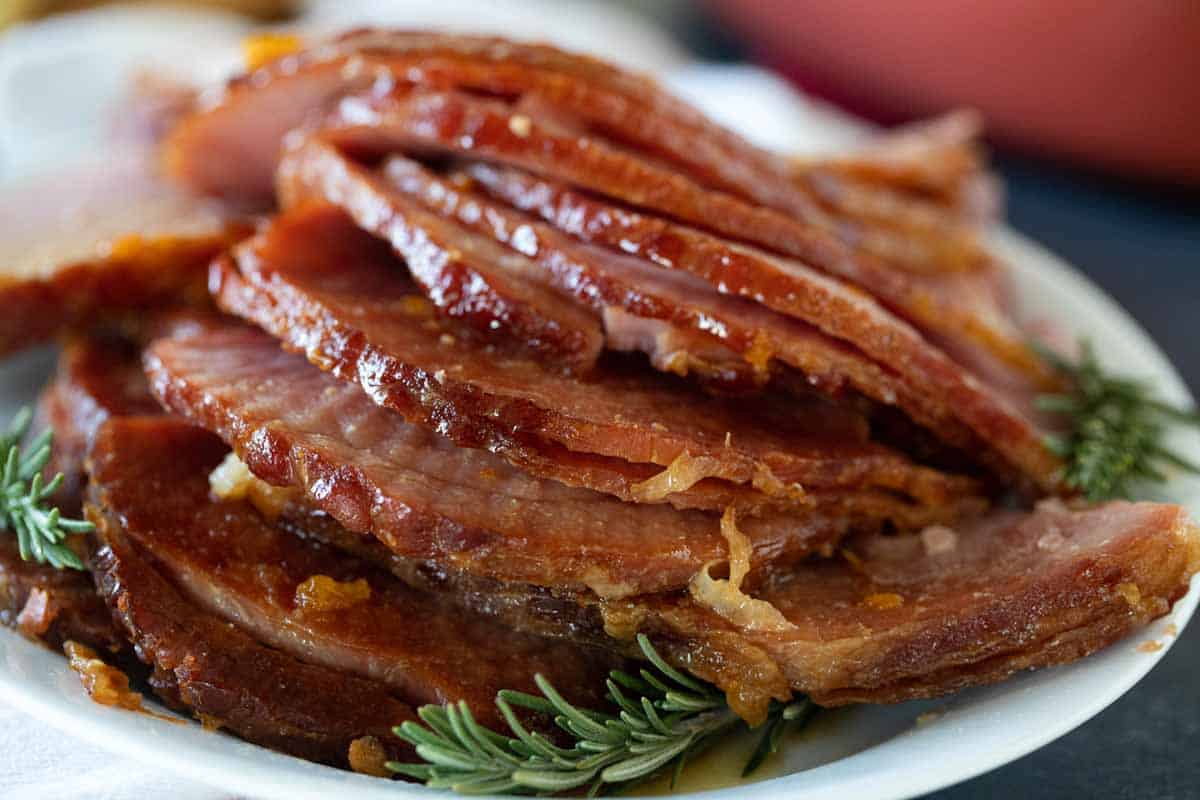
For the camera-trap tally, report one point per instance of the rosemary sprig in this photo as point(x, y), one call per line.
point(1116, 429)
point(41, 530)
point(659, 717)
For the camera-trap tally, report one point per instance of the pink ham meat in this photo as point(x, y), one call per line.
point(1001, 417)
point(102, 241)
point(955, 305)
point(428, 499)
point(321, 285)
point(681, 321)
point(910, 617)
point(231, 561)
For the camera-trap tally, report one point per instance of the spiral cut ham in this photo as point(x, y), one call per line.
point(886, 619)
point(426, 498)
point(97, 377)
point(523, 358)
point(623, 280)
point(321, 285)
point(746, 224)
point(581, 93)
point(903, 618)
point(243, 622)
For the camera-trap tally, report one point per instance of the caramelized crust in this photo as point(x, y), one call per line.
point(53, 606)
point(940, 395)
point(320, 284)
point(429, 499)
point(228, 679)
point(900, 618)
point(209, 592)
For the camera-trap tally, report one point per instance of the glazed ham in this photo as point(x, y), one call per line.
point(909, 617)
point(951, 398)
point(694, 321)
point(464, 508)
point(539, 359)
point(622, 136)
point(889, 618)
point(955, 305)
point(305, 600)
point(54, 606)
point(278, 96)
point(323, 286)
point(98, 377)
point(223, 675)
point(111, 241)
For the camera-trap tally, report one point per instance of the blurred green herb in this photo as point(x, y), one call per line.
point(1115, 429)
point(24, 499)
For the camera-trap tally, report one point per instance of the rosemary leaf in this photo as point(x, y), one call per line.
point(41, 530)
point(660, 718)
point(1114, 429)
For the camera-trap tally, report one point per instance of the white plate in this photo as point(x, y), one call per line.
point(869, 752)
point(873, 752)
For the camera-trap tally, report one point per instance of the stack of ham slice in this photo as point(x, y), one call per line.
point(525, 357)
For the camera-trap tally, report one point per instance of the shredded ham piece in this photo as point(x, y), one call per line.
point(725, 597)
point(683, 473)
point(232, 480)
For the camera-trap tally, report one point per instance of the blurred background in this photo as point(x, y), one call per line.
point(1093, 114)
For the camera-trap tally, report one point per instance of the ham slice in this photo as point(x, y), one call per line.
point(150, 487)
point(939, 158)
point(489, 286)
point(582, 93)
point(232, 149)
point(679, 320)
point(997, 415)
point(68, 259)
point(893, 618)
point(954, 305)
point(98, 377)
point(462, 508)
point(54, 606)
point(251, 118)
point(909, 617)
point(225, 677)
point(321, 285)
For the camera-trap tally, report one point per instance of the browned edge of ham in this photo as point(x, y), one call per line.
point(676, 318)
point(198, 565)
point(912, 617)
point(124, 285)
point(890, 618)
point(946, 395)
point(98, 376)
point(323, 286)
point(426, 498)
point(54, 606)
point(963, 307)
point(580, 93)
point(552, 92)
point(228, 679)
